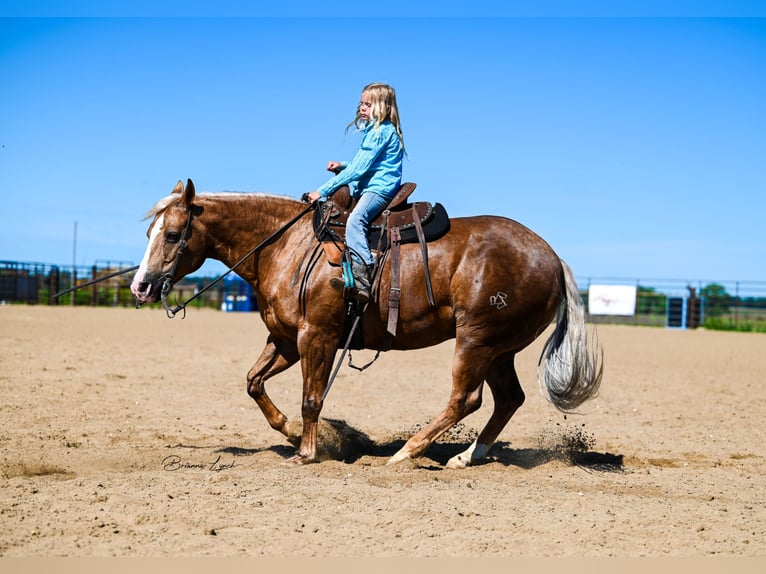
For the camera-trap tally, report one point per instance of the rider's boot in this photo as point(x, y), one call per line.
point(362, 282)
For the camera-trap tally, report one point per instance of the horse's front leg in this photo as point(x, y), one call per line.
point(317, 351)
point(277, 356)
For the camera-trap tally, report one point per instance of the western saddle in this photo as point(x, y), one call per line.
point(385, 237)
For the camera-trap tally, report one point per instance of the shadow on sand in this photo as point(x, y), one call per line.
point(340, 441)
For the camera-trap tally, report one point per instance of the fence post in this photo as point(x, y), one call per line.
point(692, 309)
point(94, 287)
point(53, 285)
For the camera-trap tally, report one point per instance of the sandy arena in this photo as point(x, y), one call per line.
point(125, 433)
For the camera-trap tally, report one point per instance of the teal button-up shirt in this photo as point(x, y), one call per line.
point(377, 166)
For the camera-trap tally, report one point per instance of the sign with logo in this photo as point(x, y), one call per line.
point(612, 299)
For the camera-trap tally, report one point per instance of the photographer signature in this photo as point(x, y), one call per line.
point(174, 462)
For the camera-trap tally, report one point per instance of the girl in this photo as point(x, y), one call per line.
point(377, 171)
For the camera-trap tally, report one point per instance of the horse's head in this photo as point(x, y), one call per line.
point(173, 250)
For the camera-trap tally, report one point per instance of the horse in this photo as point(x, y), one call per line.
point(496, 287)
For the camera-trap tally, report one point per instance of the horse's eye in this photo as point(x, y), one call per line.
point(172, 236)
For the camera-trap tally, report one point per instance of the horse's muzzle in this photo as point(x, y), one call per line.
point(146, 288)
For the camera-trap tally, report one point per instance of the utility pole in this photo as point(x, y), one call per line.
point(74, 262)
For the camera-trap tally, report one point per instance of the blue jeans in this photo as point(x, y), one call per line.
point(370, 205)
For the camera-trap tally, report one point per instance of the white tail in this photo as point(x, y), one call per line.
point(572, 371)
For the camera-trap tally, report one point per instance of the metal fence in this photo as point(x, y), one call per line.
point(723, 304)
point(710, 303)
point(38, 283)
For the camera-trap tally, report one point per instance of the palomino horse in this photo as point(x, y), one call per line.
point(496, 285)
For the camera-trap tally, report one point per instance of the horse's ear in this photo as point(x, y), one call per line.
point(188, 196)
point(179, 188)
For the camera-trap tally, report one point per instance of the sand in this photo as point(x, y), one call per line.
point(125, 433)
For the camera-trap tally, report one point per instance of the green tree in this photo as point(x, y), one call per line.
point(650, 302)
point(717, 300)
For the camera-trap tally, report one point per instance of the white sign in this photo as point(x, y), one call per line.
point(612, 299)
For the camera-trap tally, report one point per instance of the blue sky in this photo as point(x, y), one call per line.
point(636, 146)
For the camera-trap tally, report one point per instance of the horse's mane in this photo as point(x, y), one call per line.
point(160, 206)
point(163, 203)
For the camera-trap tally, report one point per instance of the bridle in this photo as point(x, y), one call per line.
point(167, 278)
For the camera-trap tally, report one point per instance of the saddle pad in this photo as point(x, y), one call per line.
point(434, 226)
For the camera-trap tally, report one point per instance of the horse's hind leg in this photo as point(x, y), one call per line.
point(468, 372)
point(277, 356)
point(508, 396)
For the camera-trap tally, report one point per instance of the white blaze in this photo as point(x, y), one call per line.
point(138, 278)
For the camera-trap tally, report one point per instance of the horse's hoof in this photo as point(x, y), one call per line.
point(458, 461)
point(298, 460)
point(473, 455)
point(397, 458)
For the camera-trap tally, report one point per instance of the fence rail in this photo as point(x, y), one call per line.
point(38, 283)
point(721, 303)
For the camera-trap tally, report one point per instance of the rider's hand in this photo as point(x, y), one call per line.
point(335, 166)
point(313, 196)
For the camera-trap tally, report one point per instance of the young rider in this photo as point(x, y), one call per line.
point(377, 172)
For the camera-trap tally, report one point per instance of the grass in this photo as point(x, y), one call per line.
point(729, 324)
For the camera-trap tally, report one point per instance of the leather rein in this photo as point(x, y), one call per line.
point(167, 278)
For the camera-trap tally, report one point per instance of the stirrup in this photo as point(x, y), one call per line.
point(345, 284)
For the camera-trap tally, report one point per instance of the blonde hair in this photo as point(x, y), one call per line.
point(384, 108)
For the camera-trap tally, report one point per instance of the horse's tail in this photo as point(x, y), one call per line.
point(572, 372)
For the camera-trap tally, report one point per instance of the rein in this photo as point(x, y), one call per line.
point(167, 280)
point(94, 281)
